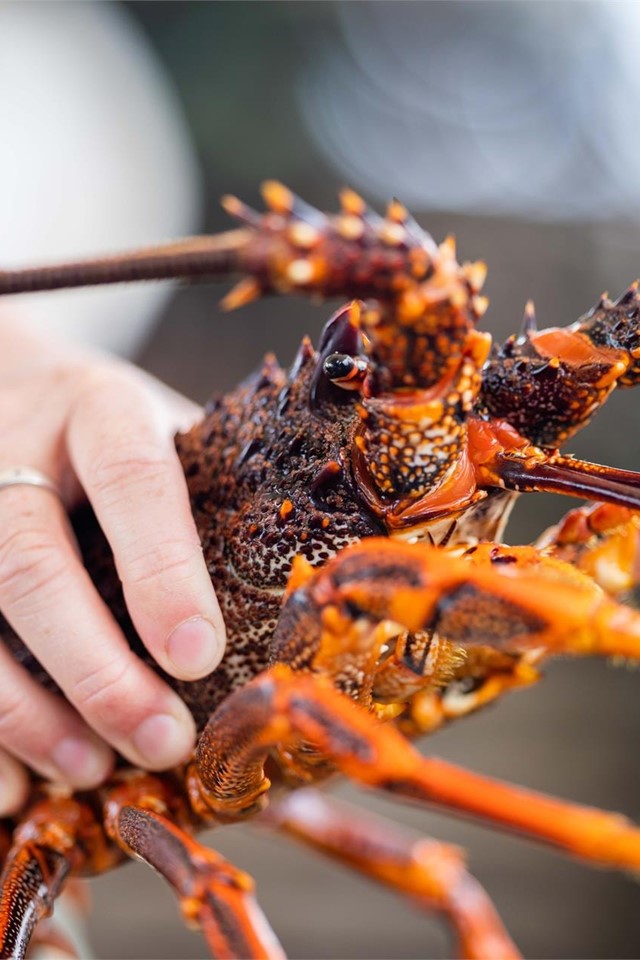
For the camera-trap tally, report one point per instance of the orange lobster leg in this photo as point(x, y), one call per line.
point(215, 897)
point(603, 541)
point(64, 936)
point(430, 873)
point(56, 837)
point(297, 712)
point(431, 709)
point(511, 599)
point(32, 879)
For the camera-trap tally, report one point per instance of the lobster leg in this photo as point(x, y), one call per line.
point(431, 709)
point(63, 937)
point(56, 837)
point(214, 896)
point(509, 600)
point(600, 540)
point(298, 714)
point(32, 879)
point(430, 873)
point(603, 541)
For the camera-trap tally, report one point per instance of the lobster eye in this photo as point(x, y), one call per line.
point(339, 366)
point(345, 371)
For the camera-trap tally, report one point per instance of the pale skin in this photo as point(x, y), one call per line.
point(101, 430)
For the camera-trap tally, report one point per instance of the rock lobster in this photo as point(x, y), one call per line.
point(351, 512)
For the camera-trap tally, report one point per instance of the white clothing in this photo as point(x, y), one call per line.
point(94, 158)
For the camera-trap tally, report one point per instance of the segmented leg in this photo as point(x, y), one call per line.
point(498, 606)
point(214, 896)
point(602, 540)
point(297, 714)
point(492, 615)
point(430, 873)
point(56, 837)
point(496, 599)
point(64, 936)
point(478, 687)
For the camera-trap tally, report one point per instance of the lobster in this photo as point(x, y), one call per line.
point(351, 512)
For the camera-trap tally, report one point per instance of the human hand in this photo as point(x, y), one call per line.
point(101, 429)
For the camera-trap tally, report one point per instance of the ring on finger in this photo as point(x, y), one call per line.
point(27, 476)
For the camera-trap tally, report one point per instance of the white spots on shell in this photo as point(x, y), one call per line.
point(350, 227)
point(393, 234)
point(611, 576)
point(303, 234)
point(300, 272)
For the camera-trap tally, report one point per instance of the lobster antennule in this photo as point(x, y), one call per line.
point(194, 259)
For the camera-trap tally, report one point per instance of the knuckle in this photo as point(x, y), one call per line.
point(175, 559)
point(102, 690)
point(126, 465)
point(15, 711)
point(31, 561)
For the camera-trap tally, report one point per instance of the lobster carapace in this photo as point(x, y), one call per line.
point(351, 512)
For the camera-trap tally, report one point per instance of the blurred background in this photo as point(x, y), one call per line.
point(512, 125)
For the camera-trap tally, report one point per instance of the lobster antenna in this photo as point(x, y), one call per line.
point(576, 478)
point(196, 259)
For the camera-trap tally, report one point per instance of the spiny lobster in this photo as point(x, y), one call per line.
point(351, 512)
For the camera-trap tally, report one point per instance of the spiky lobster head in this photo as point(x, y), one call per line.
point(420, 305)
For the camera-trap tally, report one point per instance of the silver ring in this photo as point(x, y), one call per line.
point(27, 476)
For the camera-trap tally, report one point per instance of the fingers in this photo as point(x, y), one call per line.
point(44, 732)
point(184, 412)
point(47, 596)
point(121, 446)
point(14, 785)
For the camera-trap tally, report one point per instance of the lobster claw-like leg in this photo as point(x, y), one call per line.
point(603, 541)
point(214, 896)
point(432, 874)
point(282, 709)
point(57, 836)
point(600, 540)
point(510, 599)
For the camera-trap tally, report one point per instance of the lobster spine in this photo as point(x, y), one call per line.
point(549, 383)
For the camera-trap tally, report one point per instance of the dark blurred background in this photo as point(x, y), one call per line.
point(514, 126)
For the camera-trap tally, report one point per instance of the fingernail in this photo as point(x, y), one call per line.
point(79, 762)
point(194, 647)
point(162, 741)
